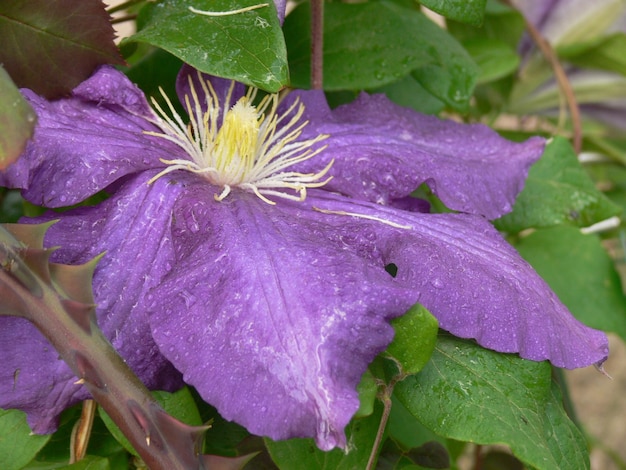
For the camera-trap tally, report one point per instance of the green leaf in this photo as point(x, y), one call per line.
point(501, 23)
point(17, 445)
point(495, 59)
point(51, 49)
point(607, 54)
point(409, 93)
point(368, 390)
point(558, 191)
point(581, 273)
point(247, 47)
point(17, 121)
point(368, 45)
point(466, 11)
point(414, 340)
point(297, 454)
point(472, 394)
point(90, 462)
point(179, 404)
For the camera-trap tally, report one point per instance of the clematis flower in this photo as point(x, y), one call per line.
point(248, 248)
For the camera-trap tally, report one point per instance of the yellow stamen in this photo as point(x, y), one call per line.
point(245, 148)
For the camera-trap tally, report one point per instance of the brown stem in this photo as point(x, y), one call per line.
point(317, 44)
point(82, 431)
point(385, 398)
point(561, 78)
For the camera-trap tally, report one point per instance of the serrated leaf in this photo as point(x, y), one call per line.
point(17, 121)
point(297, 454)
point(18, 445)
point(247, 47)
point(466, 11)
point(414, 340)
point(581, 273)
point(50, 46)
point(472, 394)
point(558, 191)
point(368, 45)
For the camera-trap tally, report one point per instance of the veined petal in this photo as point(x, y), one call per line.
point(270, 315)
point(384, 152)
point(131, 228)
point(86, 142)
point(474, 282)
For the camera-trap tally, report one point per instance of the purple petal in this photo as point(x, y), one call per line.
point(130, 228)
point(384, 152)
point(477, 285)
point(33, 378)
point(270, 315)
point(86, 142)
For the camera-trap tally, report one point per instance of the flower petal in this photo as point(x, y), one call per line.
point(268, 314)
point(130, 228)
point(476, 284)
point(384, 152)
point(86, 142)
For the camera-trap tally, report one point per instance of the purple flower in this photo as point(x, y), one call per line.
point(564, 24)
point(249, 248)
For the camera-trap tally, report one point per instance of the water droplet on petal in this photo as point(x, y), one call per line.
point(437, 283)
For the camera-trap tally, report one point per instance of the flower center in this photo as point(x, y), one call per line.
point(251, 147)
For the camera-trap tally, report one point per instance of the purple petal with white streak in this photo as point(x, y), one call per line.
point(271, 315)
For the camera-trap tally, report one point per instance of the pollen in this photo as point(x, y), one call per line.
point(247, 145)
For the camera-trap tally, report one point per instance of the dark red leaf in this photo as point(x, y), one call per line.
point(50, 46)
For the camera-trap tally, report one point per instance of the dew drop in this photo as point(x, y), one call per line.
point(437, 283)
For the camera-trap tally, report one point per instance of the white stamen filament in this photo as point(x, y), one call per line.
point(363, 216)
point(244, 148)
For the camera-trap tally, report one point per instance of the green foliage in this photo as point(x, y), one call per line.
point(297, 454)
point(248, 47)
point(17, 445)
point(581, 273)
point(467, 11)
point(472, 394)
point(415, 339)
point(605, 53)
point(17, 121)
point(51, 49)
point(368, 45)
point(558, 191)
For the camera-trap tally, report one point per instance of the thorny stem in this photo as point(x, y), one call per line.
point(161, 441)
point(317, 44)
point(561, 77)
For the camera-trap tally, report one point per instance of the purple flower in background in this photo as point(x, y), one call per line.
point(599, 88)
point(248, 248)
